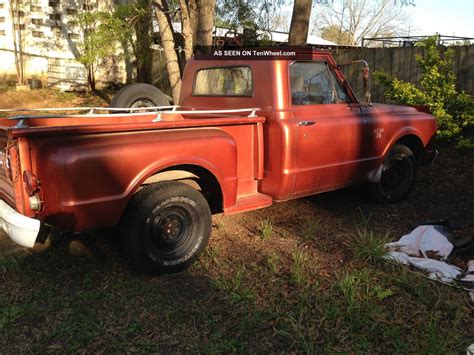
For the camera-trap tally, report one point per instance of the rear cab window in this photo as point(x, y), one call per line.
point(313, 83)
point(224, 81)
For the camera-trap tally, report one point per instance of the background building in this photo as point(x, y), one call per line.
point(49, 35)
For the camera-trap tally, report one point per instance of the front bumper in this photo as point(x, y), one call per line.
point(21, 229)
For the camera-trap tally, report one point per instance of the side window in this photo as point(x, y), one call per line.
point(312, 83)
point(226, 81)
point(341, 92)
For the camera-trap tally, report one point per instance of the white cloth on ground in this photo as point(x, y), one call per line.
point(417, 243)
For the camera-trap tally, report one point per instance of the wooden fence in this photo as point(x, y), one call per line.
point(401, 63)
point(398, 62)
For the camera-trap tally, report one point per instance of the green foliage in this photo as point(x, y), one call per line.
point(103, 31)
point(131, 19)
point(99, 37)
point(454, 110)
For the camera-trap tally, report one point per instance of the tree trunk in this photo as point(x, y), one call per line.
point(300, 22)
point(193, 9)
point(91, 77)
point(143, 53)
point(17, 39)
point(186, 29)
point(167, 42)
point(207, 9)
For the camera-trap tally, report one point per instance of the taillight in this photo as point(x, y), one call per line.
point(30, 181)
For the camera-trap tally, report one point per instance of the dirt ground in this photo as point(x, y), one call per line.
point(296, 287)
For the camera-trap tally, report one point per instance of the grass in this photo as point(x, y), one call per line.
point(274, 303)
point(41, 98)
point(365, 243)
point(273, 262)
point(309, 229)
point(299, 269)
point(266, 229)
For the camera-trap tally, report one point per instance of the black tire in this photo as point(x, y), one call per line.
point(398, 176)
point(169, 204)
point(139, 95)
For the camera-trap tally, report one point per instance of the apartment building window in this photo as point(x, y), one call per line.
point(88, 7)
point(2, 19)
point(71, 11)
point(53, 3)
point(56, 17)
point(73, 36)
point(37, 34)
point(34, 8)
point(37, 21)
point(19, 27)
point(2, 33)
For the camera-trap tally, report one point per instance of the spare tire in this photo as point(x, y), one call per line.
point(139, 95)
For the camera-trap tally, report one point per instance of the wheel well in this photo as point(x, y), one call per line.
point(196, 177)
point(414, 143)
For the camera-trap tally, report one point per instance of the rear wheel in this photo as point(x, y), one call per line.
point(398, 175)
point(165, 227)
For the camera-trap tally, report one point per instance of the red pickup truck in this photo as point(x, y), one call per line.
point(245, 134)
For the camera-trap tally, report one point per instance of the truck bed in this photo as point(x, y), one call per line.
point(90, 165)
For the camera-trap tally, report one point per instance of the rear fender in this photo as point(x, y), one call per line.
point(158, 172)
point(98, 173)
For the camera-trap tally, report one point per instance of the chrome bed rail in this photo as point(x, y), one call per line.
point(119, 112)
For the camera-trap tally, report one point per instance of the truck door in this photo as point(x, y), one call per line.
point(330, 129)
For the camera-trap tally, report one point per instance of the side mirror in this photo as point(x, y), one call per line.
point(366, 80)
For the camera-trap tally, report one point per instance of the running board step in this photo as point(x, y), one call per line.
point(249, 202)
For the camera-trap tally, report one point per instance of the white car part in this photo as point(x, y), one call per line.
point(21, 229)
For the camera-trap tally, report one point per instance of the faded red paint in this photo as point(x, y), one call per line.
point(89, 168)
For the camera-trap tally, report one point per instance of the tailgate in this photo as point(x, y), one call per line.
point(21, 229)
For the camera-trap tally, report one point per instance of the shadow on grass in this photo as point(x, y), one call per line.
point(77, 294)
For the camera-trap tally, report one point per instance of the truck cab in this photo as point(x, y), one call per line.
point(318, 136)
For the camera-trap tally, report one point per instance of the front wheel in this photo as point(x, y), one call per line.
point(165, 227)
point(398, 175)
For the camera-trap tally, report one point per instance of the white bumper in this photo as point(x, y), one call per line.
point(21, 229)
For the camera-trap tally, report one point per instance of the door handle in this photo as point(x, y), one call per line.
point(306, 123)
